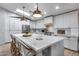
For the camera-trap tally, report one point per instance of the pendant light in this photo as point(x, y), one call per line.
point(37, 12)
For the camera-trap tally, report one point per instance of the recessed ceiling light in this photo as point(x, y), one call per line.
point(44, 12)
point(21, 11)
point(57, 7)
point(35, 6)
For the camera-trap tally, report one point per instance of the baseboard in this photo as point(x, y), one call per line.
point(5, 43)
point(71, 50)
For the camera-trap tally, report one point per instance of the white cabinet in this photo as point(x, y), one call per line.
point(57, 49)
point(32, 24)
point(71, 43)
point(59, 21)
point(40, 24)
point(66, 20)
point(66, 43)
point(74, 31)
point(48, 20)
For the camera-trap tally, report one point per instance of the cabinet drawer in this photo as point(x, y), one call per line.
point(57, 49)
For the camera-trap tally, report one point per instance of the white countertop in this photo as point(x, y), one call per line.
point(38, 45)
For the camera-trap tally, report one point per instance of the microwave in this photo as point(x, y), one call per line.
point(61, 32)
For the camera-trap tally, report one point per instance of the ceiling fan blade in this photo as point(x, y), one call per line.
point(15, 17)
point(27, 18)
point(30, 11)
point(20, 17)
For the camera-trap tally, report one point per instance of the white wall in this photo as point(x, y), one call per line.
point(2, 26)
point(8, 25)
point(13, 25)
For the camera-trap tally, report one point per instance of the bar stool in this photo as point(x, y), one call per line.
point(18, 49)
point(26, 51)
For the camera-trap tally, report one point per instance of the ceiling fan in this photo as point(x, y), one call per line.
point(37, 13)
point(21, 17)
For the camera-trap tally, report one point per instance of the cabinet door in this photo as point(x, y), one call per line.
point(57, 49)
point(40, 24)
point(73, 43)
point(67, 42)
point(32, 24)
point(74, 19)
point(66, 20)
point(59, 21)
point(48, 20)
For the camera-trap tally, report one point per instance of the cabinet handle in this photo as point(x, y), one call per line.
point(78, 39)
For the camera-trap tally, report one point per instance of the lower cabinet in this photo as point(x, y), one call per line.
point(57, 49)
point(66, 42)
point(47, 51)
point(71, 43)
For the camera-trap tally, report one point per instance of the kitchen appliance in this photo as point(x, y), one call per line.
point(63, 31)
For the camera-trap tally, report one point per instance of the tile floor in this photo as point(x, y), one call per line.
point(5, 51)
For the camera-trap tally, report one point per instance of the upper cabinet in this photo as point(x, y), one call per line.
point(32, 24)
point(68, 20)
point(43, 22)
point(48, 20)
point(40, 24)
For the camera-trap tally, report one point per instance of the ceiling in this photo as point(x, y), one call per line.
point(49, 8)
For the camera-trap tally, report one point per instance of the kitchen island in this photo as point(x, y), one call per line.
point(37, 44)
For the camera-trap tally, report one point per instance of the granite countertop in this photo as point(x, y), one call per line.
point(38, 45)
